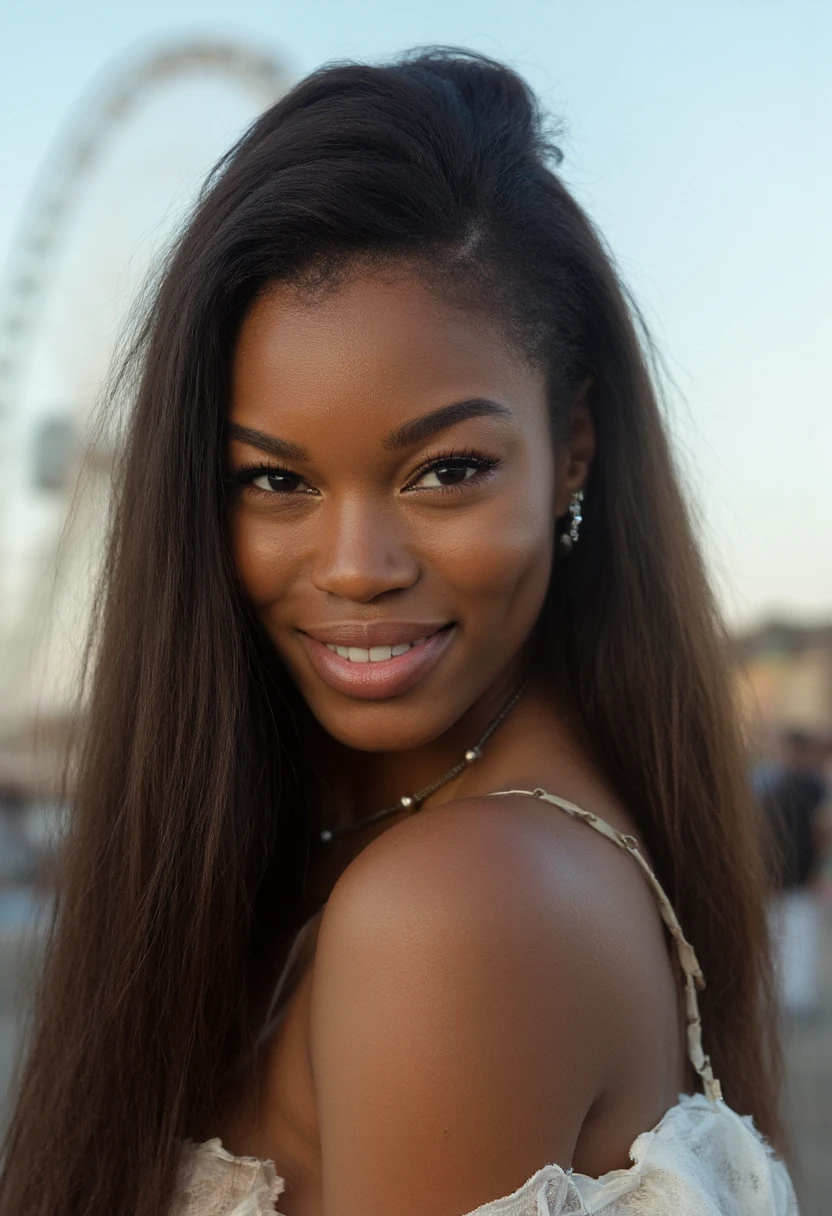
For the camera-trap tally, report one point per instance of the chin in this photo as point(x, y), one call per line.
point(400, 724)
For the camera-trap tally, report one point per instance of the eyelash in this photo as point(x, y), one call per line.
point(455, 458)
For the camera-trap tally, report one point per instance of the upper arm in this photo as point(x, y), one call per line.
point(454, 1042)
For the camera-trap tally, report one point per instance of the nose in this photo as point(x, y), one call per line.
point(362, 552)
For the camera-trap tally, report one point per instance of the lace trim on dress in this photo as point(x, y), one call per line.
point(701, 1159)
point(212, 1182)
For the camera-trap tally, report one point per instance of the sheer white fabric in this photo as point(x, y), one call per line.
point(701, 1159)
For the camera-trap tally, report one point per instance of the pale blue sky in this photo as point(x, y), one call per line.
point(698, 133)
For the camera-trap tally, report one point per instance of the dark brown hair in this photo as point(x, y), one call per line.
point(190, 831)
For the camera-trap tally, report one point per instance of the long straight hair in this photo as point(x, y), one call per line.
point(190, 830)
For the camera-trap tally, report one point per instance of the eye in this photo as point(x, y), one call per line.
point(269, 481)
point(449, 471)
point(277, 481)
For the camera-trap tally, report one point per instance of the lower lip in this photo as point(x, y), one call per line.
point(387, 678)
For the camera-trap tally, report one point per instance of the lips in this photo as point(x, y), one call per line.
point(358, 659)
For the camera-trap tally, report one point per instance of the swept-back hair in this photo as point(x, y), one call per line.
point(190, 829)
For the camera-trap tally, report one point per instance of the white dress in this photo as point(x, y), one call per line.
point(701, 1159)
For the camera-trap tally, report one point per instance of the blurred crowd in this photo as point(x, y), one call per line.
point(795, 794)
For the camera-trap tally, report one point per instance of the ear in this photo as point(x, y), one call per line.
point(576, 449)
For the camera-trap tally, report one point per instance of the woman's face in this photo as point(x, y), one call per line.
point(394, 505)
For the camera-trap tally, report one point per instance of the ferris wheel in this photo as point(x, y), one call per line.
point(38, 251)
point(72, 163)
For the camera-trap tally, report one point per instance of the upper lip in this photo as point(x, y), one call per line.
point(376, 633)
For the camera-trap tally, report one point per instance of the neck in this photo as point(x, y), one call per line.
point(353, 784)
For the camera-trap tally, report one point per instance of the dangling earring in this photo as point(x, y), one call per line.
point(569, 538)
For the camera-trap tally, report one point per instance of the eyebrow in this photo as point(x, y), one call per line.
point(281, 448)
point(404, 436)
point(419, 429)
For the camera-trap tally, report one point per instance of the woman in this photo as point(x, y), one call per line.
point(397, 532)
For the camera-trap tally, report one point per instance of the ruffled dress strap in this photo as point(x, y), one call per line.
point(694, 980)
point(214, 1183)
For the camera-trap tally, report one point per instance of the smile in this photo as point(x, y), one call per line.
point(376, 654)
point(385, 666)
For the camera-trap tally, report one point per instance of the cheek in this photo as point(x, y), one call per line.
point(264, 565)
point(502, 558)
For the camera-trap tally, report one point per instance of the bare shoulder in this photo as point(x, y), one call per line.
point(459, 870)
point(462, 997)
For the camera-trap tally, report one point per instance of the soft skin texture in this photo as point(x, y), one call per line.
point(488, 988)
point(365, 540)
point(487, 991)
point(479, 1009)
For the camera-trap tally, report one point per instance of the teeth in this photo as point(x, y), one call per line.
point(376, 654)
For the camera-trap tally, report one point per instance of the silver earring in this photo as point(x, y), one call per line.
point(569, 538)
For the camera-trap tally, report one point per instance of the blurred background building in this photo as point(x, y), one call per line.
point(698, 136)
point(787, 671)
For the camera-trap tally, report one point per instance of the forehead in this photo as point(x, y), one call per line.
point(375, 347)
